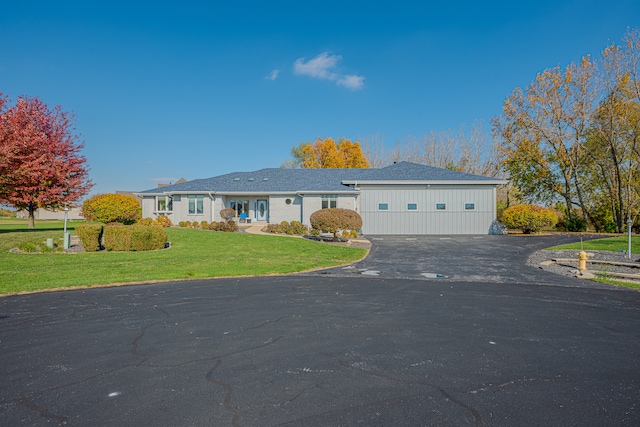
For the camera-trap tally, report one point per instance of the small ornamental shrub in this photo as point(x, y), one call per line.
point(145, 221)
point(134, 238)
point(162, 221)
point(610, 227)
point(228, 226)
point(228, 214)
point(334, 220)
point(204, 225)
point(576, 224)
point(292, 228)
point(108, 208)
point(529, 218)
point(91, 236)
point(273, 228)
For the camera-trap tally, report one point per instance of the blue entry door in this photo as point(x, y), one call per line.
point(262, 207)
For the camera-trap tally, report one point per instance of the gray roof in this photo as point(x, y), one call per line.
point(274, 180)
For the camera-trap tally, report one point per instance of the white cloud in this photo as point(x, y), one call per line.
point(273, 75)
point(324, 67)
point(320, 67)
point(352, 82)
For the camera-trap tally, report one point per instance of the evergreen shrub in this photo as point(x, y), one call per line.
point(134, 238)
point(91, 236)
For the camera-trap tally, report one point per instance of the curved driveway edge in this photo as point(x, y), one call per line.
point(329, 349)
point(455, 258)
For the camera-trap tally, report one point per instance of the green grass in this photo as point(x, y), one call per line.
point(194, 254)
point(611, 244)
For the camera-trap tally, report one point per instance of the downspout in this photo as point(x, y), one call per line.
point(301, 207)
point(213, 203)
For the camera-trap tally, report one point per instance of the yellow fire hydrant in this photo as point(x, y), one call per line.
point(582, 260)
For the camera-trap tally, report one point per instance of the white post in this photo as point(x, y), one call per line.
point(629, 225)
point(66, 237)
point(66, 210)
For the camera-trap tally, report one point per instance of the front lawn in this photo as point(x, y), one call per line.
point(193, 254)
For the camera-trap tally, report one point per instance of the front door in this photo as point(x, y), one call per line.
point(261, 210)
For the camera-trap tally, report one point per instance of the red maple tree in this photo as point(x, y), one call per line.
point(40, 164)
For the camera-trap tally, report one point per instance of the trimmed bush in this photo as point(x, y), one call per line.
point(293, 228)
point(334, 220)
point(145, 221)
point(134, 238)
point(112, 208)
point(529, 218)
point(91, 236)
point(162, 221)
point(228, 214)
point(228, 226)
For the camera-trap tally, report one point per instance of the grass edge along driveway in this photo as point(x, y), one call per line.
point(195, 254)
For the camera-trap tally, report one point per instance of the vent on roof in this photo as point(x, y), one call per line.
point(250, 179)
point(236, 179)
point(265, 179)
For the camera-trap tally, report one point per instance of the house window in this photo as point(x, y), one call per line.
point(240, 206)
point(164, 203)
point(469, 206)
point(329, 201)
point(412, 206)
point(383, 206)
point(196, 205)
point(441, 206)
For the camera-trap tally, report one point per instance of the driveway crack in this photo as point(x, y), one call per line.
point(472, 411)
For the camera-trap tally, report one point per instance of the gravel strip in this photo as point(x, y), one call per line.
point(569, 268)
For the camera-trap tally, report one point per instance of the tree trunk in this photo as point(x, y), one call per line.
point(32, 220)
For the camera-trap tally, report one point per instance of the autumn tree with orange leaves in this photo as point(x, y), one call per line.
point(326, 153)
point(573, 135)
point(40, 164)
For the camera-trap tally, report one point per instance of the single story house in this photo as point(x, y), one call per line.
point(403, 198)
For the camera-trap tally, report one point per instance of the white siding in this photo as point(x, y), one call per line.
point(312, 203)
point(426, 219)
point(280, 211)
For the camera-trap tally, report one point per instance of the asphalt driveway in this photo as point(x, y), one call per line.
point(337, 347)
point(499, 259)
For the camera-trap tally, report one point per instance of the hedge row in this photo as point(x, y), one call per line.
point(91, 236)
point(228, 226)
point(122, 237)
point(293, 228)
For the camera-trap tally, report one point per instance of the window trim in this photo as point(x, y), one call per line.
point(168, 203)
point(329, 199)
point(441, 207)
point(380, 206)
point(412, 207)
point(198, 204)
point(472, 208)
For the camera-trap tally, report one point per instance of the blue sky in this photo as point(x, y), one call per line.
point(193, 89)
